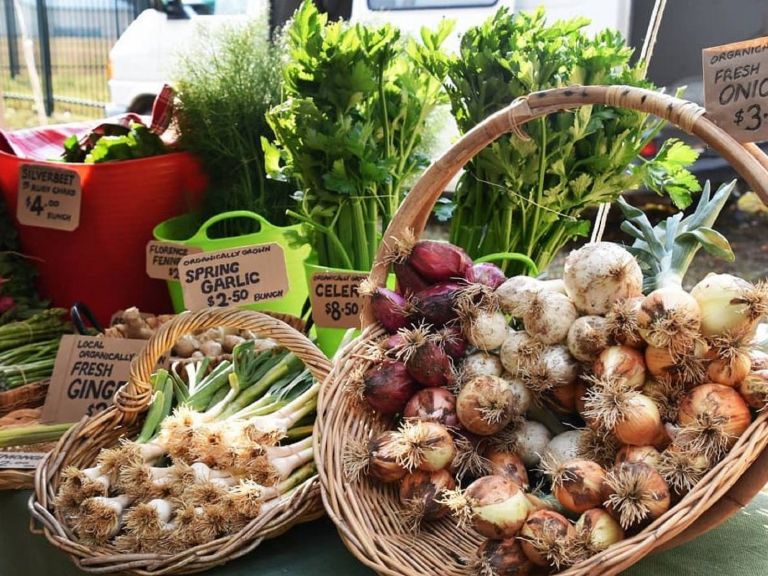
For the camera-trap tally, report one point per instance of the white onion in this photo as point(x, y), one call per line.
point(552, 368)
point(486, 330)
point(729, 304)
point(587, 337)
point(532, 440)
point(516, 293)
point(481, 364)
point(599, 274)
point(549, 317)
point(519, 389)
point(517, 351)
point(565, 446)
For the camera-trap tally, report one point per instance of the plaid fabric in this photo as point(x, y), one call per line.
point(45, 142)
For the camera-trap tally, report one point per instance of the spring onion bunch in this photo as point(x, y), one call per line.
point(206, 467)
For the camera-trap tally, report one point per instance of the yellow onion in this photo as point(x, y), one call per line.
point(547, 539)
point(729, 363)
point(587, 337)
point(637, 494)
point(502, 558)
point(623, 364)
point(598, 445)
point(577, 484)
point(729, 305)
point(597, 530)
point(682, 469)
point(669, 317)
point(507, 464)
point(647, 454)
point(419, 493)
point(424, 445)
point(377, 458)
point(495, 506)
point(712, 417)
point(562, 399)
point(622, 322)
point(688, 369)
point(631, 416)
point(667, 395)
point(754, 389)
point(485, 405)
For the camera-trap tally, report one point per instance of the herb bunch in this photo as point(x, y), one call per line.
point(351, 128)
point(225, 88)
point(528, 196)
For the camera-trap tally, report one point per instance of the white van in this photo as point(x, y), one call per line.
point(141, 60)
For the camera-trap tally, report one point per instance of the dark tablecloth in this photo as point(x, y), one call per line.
point(737, 548)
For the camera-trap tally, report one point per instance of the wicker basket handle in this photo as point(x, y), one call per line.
point(749, 162)
point(135, 396)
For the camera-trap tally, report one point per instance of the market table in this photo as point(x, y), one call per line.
point(738, 548)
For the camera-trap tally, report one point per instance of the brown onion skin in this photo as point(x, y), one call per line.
point(490, 490)
point(426, 487)
point(647, 454)
point(504, 558)
point(574, 493)
point(579, 394)
point(439, 261)
point(590, 519)
point(631, 369)
point(429, 365)
point(544, 522)
point(508, 465)
point(468, 405)
point(408, 280)
point(390, 309)
point(435, 404)
point(655, 485)
point(716, 400)
point(453, 342)
point(387, 387)
point(436, 303)
point(636, 432)
point(563, 398)
point(382, 465)
point(721, 371)
point(754, 389)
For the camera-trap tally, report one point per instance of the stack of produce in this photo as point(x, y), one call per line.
point(206, 469)
point(658, 388)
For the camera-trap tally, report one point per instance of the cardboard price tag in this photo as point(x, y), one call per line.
point(20, 460)
point(87, 373)
point(335, 299)
point(163, 259)
point(736, 88)
point(234, 277)
point(49, 197)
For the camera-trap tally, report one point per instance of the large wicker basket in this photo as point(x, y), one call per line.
point(83, 442)
point(366, 513)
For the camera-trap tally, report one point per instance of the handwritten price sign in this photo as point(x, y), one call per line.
point(336, 302)
point(48, 197)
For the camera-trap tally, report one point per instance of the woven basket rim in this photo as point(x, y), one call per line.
point(82, 442)
point(339, 419)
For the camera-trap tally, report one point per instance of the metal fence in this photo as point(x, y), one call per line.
point(70, 41)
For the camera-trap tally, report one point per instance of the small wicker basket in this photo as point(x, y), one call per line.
point(81, 444)
point(366, 513)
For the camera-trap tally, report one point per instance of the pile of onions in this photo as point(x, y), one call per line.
point(482, 373)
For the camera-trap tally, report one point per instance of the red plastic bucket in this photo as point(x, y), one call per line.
point(102, 262)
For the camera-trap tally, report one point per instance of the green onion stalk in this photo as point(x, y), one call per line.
point(351, 129)
point(529, 196)
point(209, 466)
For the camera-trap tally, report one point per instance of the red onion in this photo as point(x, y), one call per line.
point(487, 274)
point(388, 386)
point(394, 342)
point(452, 341)
point(389, 308)
point(408, 280)
point(436, 304)
point(439, 261)
point(435, 404)
point(426, 361)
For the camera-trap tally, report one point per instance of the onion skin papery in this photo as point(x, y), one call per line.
point(487, 274)
point(622, 322)
point(730, 364)
point(637, 494)
point(632, 417)
point(382, 458)
point(588, 337)
point(427, 363)
point(450, 339)
point(434, 404)
point(408, 280)
point(754, 389)
point(682, 469)
point(508, 465)
point(687, 370)
point(712, 417)
point(419, 492)
point(485, 330)
point(549, 317)
point(622, 364)
point(565, 446)
point(597, 530)
point(547, 539)
point(480, 364)
point(516, 293)
point(518, 353)
point(388, 386)
point(531, 441)
point(495, 506)
point(669, 318)
point(577, 484)
point(729, 304)
point(424, 446)
point(389, 308)
point(552, 368)
point(599, 274)
point(436, 303)
point(437, 261)
point(502, 558)
point(646, 454)
point(486, 405)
